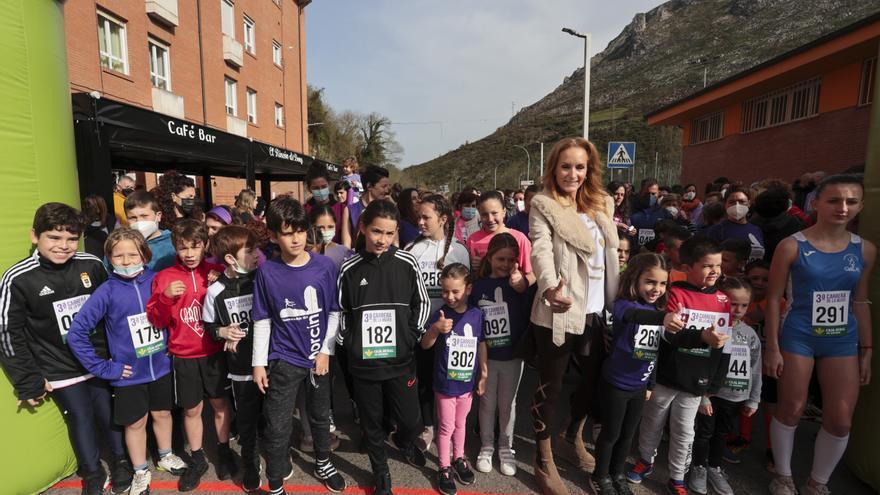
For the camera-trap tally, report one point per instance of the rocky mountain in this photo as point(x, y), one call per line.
point(658, 58)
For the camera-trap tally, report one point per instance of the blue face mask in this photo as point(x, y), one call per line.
point(652, 200)
point(128, 271)
point(321, 194)
point(469, 212)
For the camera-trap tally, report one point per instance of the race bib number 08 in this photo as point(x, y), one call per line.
point(65, 312)
point(646, 342)
point(462, 355)
point(378, 335)
point(496, 325)
point(739, 371)
point(830, 313)
point(146, 338)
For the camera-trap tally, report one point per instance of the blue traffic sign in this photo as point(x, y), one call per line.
point(621, 154)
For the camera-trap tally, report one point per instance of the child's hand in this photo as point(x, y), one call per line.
point(37, 400)
point(175, 289)
point(706, 409)
point(672, 321)
point(261, 378)
point(230, 346)
point(712, 338)
point(749, 411)
point(647, 395)
point(232, 333)
point(517, 279)
point(322, 364)
point(443, 324)
point(481, 387)
point(213, 275)
point(126, 371)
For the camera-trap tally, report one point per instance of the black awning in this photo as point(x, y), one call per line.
point(283, 164)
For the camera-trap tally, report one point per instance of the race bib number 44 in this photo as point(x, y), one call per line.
point(65, 312)
point(739, 371)
point(462, 355)
point(646, 342)
point(830, 313)
point(378, 335)
point(701, 320)
point(146, 338)
point(496, 325)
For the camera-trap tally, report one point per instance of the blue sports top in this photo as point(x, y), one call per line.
point(820, 290)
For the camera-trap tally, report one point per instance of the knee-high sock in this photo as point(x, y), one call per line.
point(826, 454)
point(783, 444)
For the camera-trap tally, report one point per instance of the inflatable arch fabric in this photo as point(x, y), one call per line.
point(38, 165)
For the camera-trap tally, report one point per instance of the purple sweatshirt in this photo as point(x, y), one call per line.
point(456, 366)
point(637, 331)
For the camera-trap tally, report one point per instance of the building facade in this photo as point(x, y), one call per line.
point(806, 110)
point(235, 66)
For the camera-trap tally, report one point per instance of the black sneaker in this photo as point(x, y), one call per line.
point(382, 483)
point(227, 466)
point(445, 482)
point(327, 473)
point(251, 480)
point(94, 483)
point(121, 474)
point(414, 456)
point(193, 475)
point(463, 471)
point(621, 485)
point(604, 486)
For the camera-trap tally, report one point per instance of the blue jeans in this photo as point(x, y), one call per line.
point(81, 404)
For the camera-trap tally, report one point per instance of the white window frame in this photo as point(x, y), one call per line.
point(231, 88)
point(154, 46)
point(106, 21)
point(279, 114)
point(251, 106)
point(277, 57)
point(866, 84)
point(790, 104)
point(707, 128)
point(227, 18)
point(250, 35)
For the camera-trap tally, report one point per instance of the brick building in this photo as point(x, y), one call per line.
point(233, 68)
point(805, 110)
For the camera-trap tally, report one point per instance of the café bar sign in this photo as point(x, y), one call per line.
point(191, 131)
point(285, 155)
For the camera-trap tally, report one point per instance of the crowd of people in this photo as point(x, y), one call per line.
point(673, 306)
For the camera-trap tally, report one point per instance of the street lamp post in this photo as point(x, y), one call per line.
point(495, 176)
point(528, 162)
point(459, 183)
point(587, 37)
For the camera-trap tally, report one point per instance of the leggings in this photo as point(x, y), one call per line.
point(621, 412)
point(81, 404)
point(452, 413)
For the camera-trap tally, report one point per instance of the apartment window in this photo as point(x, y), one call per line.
point(279, 115)
point(227, 18)
point(796, 102)
point(866, 90)
point(276, 53)
point(707, 128)
point(250, 38)
point(252, 106)
point(111, 43)
point(231, 98)
point(160, 65)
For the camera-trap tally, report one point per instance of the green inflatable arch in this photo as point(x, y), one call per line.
point(38, 165)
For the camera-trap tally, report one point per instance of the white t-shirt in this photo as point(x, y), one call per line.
point(427, 252)
point(596, 268)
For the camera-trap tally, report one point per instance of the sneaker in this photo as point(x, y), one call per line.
point(604, 486)
point(738, 445)
point(327, 473)
point(332, 422)
point(506, 461)
point(382, 483)
point(718, 481)
point(769, 461)
point(730, 455)
point(484, 459)
point(121, 474)
point(414, 456)
point(622, 486)
point(191, 478)
point(463, 471)
point(171, 463)
point(807, 489)
point(251, 480)
point(782, 485)
point(445, 482)
point(227, 465)
point(639, 472)
point(423, 442)
point(697, 480)
point(140, 483)
point(95, 483)
point(676, 487)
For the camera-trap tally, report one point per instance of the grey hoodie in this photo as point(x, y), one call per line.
point(744, 335)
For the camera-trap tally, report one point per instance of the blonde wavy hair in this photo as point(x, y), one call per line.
point(590, 198)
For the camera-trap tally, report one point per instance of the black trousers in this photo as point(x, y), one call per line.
point(425, 370)
point(248, 414)
point(401, 396)
point(621, 413)
point(712, 431)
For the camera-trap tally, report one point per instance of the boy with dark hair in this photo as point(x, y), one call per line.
point(40, 296)
point(199, 365)
point(227, 317)
point(520, 220)
point(143, 214)
point(296, 319)
point(690, 363)
point(734, 255)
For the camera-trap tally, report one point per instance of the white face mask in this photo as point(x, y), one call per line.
point(520, 205)
point(672, 210)
point(738, 211)
point(128, 271)
point(690, 195)
point(240, 269)
point(145, 227)
point(328, 235)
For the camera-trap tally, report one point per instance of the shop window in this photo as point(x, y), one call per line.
point(707, 128)
point(112, 44)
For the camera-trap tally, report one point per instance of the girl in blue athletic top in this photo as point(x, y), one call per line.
point(827, 323)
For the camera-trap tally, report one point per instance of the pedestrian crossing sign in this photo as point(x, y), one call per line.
point(621, 154)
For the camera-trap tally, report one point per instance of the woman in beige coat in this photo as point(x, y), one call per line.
point(574, 258)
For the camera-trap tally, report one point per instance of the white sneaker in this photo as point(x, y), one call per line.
point(815, 490)
point(423, 442)
point(506, 461)
point(782, 485)
point(484, 460)
point(140, 482)
point(172, 464)
point(718, 481)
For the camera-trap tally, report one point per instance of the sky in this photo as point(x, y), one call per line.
point(451, 71)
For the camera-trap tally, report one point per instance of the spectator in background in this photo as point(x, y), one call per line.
point(377, 186)
point(818, 177)
point(520, 221)
point(351, 176)
point(691, 204)
point(712, 214)
point(408, 203)
point(318, 183)
point(468, 221)
point(340, 189)
point(620, 195)
point(94, 209)
point(648, 211)
point(245, 203)
point(771, 216)
point(217, 218)
point(176, 195)
point(736, 224)
point(671, 202)
point(124, 186)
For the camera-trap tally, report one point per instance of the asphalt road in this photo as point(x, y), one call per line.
point(749, 477)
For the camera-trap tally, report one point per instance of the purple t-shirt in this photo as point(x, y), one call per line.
point(505, 314)
point(297, 300)
point(726, 229)
point(456, 366)
point(634, 349)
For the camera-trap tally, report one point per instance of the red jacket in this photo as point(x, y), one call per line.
point(182, 315)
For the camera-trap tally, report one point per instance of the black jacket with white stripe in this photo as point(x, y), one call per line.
point(38, 301)
point(384, 307)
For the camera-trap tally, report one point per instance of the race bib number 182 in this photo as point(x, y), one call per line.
point(378, 334)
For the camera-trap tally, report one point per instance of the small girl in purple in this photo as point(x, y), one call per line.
point(460, 360)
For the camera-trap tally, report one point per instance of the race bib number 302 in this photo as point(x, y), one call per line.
point(65, 312)
point(378, 334)
point(830, 313)
point(462, 355)
point(146, 338)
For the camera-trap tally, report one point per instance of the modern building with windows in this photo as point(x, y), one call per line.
point(233, 68)
point(805, 110)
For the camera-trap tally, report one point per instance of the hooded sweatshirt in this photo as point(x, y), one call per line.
point(121, 303)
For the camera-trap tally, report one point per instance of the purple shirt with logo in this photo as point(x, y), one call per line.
point(472, 320)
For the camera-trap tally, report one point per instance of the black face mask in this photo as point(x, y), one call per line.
point(127, 191)
point(187, 205)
